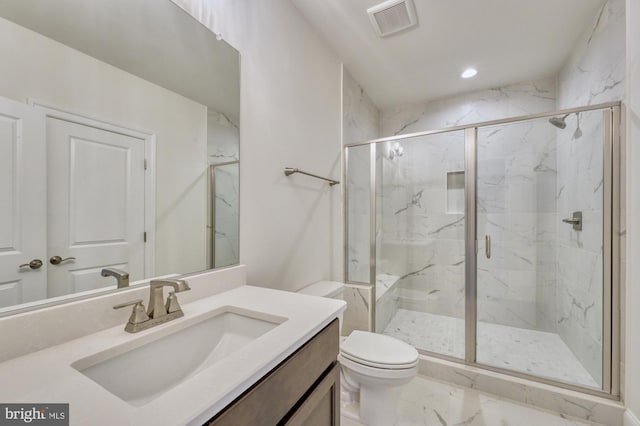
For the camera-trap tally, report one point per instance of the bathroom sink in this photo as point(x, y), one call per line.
point(146, 367)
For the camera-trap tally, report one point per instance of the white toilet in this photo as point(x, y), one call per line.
point(374, 366)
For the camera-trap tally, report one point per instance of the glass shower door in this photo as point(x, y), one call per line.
point(540, 247)
point(420, 242)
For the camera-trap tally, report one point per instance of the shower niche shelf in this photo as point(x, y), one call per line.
point(454, 192)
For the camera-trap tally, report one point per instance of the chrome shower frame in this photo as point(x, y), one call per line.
point(611, 338)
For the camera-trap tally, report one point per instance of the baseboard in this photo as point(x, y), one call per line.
point(630, 419)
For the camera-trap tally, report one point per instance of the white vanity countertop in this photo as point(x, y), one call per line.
point(48, 377)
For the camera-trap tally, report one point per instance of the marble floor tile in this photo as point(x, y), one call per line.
point(528, 351)
point(426, 401)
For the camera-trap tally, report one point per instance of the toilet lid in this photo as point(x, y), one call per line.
point(378, 350)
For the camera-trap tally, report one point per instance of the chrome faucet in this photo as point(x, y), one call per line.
point(122, 277)
point(157, 306)
point(159, 311)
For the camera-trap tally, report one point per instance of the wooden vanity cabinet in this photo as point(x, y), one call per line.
point(304, 389)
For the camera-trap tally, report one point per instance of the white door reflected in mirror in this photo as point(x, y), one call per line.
point(22, 206)
point(95, 205)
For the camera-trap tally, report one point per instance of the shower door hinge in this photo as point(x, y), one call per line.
point(476, 246)
point(144, 236)
point(145, 164)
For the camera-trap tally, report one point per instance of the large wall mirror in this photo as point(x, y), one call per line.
point(119, 147)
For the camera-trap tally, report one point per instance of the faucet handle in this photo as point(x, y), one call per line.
point(172, 304)
point(138, 315)
point(129, 303)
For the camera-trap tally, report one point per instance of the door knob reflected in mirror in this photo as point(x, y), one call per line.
point(56, 260)
point(34, 264)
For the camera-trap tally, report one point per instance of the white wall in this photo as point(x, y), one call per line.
point(632, 338)
point(290, 227)
point(59, 76)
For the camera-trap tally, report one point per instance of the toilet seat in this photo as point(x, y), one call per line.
point(372, 364)
point(378, 351)
point(381, 376)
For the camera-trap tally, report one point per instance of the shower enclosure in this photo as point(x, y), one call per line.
point(495, 243)
point(223, 213)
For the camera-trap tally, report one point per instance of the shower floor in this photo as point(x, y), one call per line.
point(533, 352)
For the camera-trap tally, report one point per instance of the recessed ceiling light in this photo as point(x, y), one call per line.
point(469, 72)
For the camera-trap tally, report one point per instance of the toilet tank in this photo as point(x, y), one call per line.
point(330, 289)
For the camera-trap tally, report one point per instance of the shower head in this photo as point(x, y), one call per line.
point(559, 122)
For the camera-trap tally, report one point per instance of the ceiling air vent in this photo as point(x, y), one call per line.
point(392, 16)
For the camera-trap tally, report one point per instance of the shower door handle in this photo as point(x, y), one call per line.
point(575, 221)
point(487, 246)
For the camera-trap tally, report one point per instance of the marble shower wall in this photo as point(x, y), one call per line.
point(387, 301)
point(223, 138)
point(359, 123)
point(360, 119)
point(517, 208)
point(356, 316)
point(360, 116)
point(594, 74)
point(227, 215)
point(223, 145)
point(470, 108)
point(423, 239)
point(358, 214)
point(580, 256)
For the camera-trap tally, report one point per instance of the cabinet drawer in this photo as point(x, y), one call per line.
point(322, 406)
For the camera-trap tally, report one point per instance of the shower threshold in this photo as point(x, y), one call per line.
point(527, 351)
